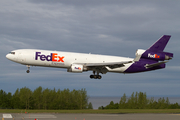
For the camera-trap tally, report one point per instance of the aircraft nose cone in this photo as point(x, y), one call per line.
point(7, 56)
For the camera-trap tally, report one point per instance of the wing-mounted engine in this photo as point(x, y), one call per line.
point(76, 68)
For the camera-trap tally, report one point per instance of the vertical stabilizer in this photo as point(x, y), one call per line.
point(159, 45)
point(156, 51)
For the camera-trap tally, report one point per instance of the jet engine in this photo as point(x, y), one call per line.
point(158, 56)
point(76, 68)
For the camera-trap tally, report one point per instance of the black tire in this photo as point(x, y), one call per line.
point(99, 77)
point(95, 76)
point(28, 71)
point(91, 76)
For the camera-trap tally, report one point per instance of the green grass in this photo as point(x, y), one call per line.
point(109, 111)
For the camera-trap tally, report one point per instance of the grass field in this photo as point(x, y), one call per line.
point(109, 111)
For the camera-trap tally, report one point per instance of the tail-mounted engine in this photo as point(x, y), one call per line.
point(158, 56)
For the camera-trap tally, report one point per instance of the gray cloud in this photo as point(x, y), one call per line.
point(103, 27)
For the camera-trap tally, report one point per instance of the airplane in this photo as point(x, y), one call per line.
point(146, 60)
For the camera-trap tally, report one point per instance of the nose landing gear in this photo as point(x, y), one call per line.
point(28, 71)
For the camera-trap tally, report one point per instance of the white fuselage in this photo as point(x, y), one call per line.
point(58, 59)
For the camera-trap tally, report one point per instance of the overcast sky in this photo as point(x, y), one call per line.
point(109, 27)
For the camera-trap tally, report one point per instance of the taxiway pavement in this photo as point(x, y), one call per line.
point(57, 116)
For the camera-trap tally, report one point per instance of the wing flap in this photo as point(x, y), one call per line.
point(111, 65)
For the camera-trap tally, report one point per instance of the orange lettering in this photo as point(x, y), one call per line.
point(60, 59)
point(156, 56)
point(54, 56)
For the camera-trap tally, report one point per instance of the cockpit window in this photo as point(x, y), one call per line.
point(12, 53)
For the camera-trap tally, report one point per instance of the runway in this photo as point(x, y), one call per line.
point(49, 116)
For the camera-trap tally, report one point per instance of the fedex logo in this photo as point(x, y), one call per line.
point(77, 68)
point(153, 56)
point(52, 57)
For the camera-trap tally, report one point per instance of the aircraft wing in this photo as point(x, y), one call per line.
point(111, 65)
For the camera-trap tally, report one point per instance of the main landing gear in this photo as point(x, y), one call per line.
point(95, 76)
point(28, 71)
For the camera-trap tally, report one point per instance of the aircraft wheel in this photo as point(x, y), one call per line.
point(91, 76)
point(95, 77)
point(28, 71)
point(99, 77)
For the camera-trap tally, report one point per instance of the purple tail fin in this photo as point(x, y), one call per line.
point(156, 51)
point(153, 58)
point(159, 45)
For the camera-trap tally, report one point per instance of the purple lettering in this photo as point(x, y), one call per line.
point(49, 57)
point(36, 58)
point(43, 57)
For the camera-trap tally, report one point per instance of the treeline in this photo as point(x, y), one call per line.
point(41, 98)
point(140, 101)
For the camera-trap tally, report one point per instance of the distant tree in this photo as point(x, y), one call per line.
point(1, 98)
point(110, 106)
point(90, 105)
point(16, 99)
point(83, 99)
point(122, 103)
point(5, 100)
point(152, 104)
point(37, 97)
point(24, 97)
point(174, 106)
point(9, 100)
point(46, 98)
point(136, 100)
point(131, 102)
point(167, 102)
point(161, 104)
point(41, 98)
point(75, 98)
point(142, 100)
point(53, 99)
point(101, 108)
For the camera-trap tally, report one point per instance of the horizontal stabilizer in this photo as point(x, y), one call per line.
point(155, 64)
